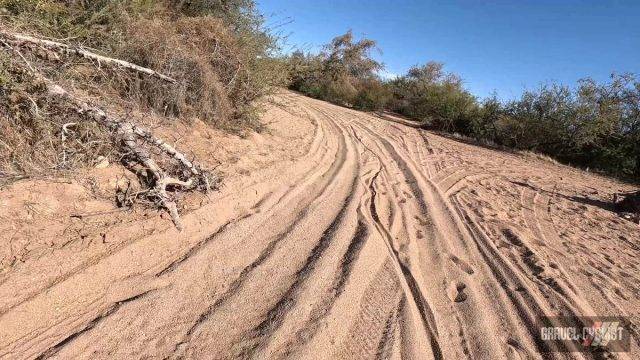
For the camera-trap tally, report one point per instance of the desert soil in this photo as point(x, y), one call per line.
point(338, 234)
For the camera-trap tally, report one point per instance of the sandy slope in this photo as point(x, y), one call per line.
point(338, 235)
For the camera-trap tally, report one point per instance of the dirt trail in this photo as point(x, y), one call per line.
point(358, 238)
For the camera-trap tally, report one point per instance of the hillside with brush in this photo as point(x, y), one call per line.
point(68, 106)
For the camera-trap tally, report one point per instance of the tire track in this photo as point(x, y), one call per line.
point(273, 317)
point(380, 241)
point(313, 151)
point(53, 350)
point(379, 302)
point(424, 310)
point(528, 308)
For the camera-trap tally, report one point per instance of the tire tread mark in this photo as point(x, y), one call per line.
point(54, 349)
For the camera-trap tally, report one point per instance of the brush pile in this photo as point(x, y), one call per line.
point(80, 81)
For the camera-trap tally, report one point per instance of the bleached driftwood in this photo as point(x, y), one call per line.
point(18, 39)
point(63, 139)
point(171, 151)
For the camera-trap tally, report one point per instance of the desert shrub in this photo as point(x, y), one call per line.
point(607, 124)
point(372, 95)
point(339, 91)
point(305, 73)
point(346, 57)
point(483, 125)
point(240, 15)
point(542, 118)
point(215, 49)
point(595, 125)
point(198, 51)
point(339, 74)
point(436, 98)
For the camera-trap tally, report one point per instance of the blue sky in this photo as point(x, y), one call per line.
point(502, 46)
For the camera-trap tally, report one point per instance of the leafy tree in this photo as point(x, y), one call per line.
point(344, 57)
point(437, 98)
point(372, 95)
point(343, 73)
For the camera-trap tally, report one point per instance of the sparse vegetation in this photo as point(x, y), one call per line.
point(31, 124)
point(343, 73)
point(218, 51)
point(62, 109)
point(594, 125)
point(224, 60)
point(214, 48)
point(437, 99)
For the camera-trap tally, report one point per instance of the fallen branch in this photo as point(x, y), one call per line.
point(127, 133)
point(18, 39)
point(148, 137)
point(63, 138)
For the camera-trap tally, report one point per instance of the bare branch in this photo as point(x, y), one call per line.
point(18, 39)
point(126, 132)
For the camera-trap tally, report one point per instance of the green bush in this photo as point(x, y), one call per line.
point(340, 74)
point(372, 95)
point(595, 125)
point(434, 97)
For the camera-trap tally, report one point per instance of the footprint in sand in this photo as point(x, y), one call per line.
point(455, 291)
point(461, 264)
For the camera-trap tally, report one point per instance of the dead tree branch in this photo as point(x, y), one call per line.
point(127, 133)
point(18, 39)
point(63, 138)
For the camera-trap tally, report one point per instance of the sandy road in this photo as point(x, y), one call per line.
point(378, 241)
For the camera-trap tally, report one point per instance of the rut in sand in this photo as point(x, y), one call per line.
point(376, 240)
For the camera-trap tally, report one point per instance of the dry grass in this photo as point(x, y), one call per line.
point(202, 55)
point(31, 123)
point(217, 69)
point(538, 156)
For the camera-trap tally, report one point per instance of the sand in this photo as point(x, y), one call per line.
point(338, 234)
